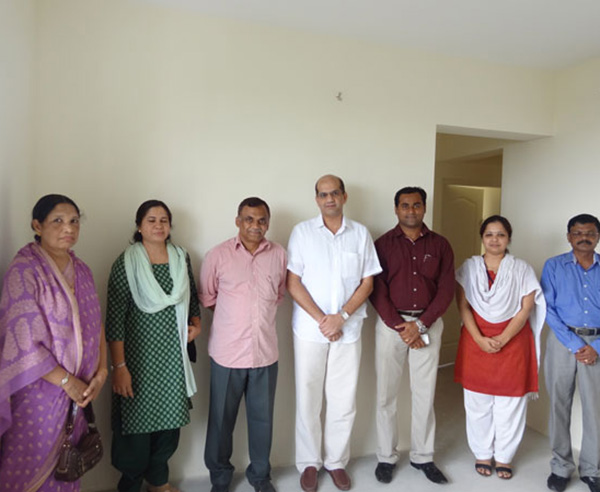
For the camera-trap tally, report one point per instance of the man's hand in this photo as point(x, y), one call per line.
point(419, 343)
point(331, 325)
point(409, 332)
point(586, 355)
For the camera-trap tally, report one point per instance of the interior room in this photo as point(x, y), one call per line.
point(203, 103)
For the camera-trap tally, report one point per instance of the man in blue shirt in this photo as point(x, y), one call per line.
point(571, 284)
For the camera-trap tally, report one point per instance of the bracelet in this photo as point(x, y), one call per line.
point(118, 366)
point(344, 315)
point(65, 380)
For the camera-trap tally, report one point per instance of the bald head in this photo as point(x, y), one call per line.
point(330, 177)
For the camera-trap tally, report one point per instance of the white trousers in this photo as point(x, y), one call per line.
point(391, 354)
point(495, 425)
point(330, 369)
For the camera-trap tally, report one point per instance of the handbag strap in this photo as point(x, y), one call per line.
point(88, 413)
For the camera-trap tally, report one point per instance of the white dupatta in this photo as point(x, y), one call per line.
point(502, 301)
point(149, 296)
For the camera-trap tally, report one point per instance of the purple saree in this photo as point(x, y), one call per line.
point(43, 323)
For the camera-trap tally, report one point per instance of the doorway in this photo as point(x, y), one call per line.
point(468, 188)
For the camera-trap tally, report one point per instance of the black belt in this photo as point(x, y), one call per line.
point(586, 332)
point(414, 314)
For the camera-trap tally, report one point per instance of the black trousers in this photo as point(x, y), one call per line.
point(142, 456)
point(227, 386)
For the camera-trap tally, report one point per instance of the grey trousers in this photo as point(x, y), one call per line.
point(562, 372)
point(227, 387)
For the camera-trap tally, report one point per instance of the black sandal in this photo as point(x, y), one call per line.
point(483, 469)
point(504, 469)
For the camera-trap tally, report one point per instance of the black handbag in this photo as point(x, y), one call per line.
point(75, 460)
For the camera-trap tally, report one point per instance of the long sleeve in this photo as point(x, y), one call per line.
point(445, 287)
point(380, 298)
point(556, 324)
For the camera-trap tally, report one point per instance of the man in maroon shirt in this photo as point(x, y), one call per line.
point(410, 296)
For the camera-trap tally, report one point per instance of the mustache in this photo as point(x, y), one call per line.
point(584, 241)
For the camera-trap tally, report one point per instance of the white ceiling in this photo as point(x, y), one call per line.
point(532, 33)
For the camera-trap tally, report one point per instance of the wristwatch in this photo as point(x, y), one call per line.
point(421, 326)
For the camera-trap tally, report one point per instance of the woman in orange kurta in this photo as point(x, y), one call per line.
point(503, 309)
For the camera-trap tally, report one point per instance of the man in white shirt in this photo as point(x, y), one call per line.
point(331, 264)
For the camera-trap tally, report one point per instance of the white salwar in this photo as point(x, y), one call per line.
point(495, 424)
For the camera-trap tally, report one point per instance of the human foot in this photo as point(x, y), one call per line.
point(504, 471)
point(483, 467)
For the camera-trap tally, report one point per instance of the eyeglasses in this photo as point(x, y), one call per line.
point(334, 194)
point(578, 234)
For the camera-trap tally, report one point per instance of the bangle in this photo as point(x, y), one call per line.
point(344, 315)
point(65, 380)
point(118, 366)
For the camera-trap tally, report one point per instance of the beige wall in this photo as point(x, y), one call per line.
point(17, 28)
point(547, 182)
point(135, 101)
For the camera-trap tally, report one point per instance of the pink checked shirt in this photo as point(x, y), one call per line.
point(245, 290)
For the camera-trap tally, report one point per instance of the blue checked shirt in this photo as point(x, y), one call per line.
point(573, 298)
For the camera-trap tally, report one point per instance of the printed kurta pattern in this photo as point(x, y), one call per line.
point(152, 353)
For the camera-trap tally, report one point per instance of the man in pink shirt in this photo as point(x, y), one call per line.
point(243, 281)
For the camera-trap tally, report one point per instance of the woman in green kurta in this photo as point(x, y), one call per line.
point(152, 314)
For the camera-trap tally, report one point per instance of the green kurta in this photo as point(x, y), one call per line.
point(152, 352)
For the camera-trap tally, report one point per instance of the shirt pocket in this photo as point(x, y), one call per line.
point(351, 266)
point(430, 266)
point(267, 287)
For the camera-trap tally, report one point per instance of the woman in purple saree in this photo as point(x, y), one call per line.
point(52, 349)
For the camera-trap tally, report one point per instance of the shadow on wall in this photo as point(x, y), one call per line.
point(6, 239)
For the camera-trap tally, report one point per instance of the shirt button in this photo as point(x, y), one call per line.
point(584, 324)
point(585, 312)
point(414, 257)
point(585, 298)
point(414, 273)
point(585, 285)
point(414, 305)
point(415, 289)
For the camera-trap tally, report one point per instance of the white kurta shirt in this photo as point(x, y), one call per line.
point(331, 268)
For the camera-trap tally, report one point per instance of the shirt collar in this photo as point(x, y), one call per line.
point(571, 258)
point(264, 244)
point(320, 224)
point(400, 233)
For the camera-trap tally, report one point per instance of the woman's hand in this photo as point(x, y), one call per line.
point(502, 339)
point(75, 389)
point(93, 389)
point(194, 328)
point(489, 345)
point(121, 382)
point(193, 332)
